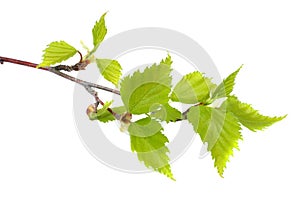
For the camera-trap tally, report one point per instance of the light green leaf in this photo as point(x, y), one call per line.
point(144, 89)
point(225, 88)
point(192, 88)
point(248, 116)
point(103, 115)
point(107, 116)
point(100, 112)
point(166, 113)
point(167, 60)
point(57, 52)
point(110, 69)
point(99, 31)
point(149, 143)
point(219, 129)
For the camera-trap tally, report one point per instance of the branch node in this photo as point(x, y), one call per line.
point(77, 67)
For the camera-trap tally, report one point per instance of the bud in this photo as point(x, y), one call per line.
point(91, 111)
point(125, 121)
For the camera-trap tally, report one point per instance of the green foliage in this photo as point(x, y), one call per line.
point(225, 88)
point(192, 88)
point(99, 31)
point(149, 93)
point(144, 89)
point(149, 143)
point(105, 116)
point(166, 113)
point(100, 112)
point(57, 52)
point(248, 116)
point(110, 69)
point(219, 129)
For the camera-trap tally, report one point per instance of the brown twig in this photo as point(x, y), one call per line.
point(87, 85)
point(57, 72)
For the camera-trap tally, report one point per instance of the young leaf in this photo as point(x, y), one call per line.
point(219, 129)
point(192, 88)
point(144, 89)
point(57, 52)
point(100, 112)
point(149, 143)
point(99, 31)
point(110, 69)
point(106, 116)
point(225, 88)
point(166, 113)
point(248, 116)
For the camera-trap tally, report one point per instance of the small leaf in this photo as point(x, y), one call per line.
point(192, 88)
point(106, 116)
point(248, 116)
point(57, 52)
point(144, 89)
point(166, 113)
point(99, 31)
point(225, 88)
point(110, 69)
point(100, 112)
point(149, 143)
point(219, 129)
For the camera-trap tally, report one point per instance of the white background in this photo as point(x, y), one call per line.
point(40, 151)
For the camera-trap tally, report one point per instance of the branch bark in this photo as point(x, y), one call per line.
point(56, 70)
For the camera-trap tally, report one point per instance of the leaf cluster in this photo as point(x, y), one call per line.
point(149, 92)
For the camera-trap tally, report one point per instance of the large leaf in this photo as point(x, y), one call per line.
point(57, 52)
point(110, 69)
point(248, 116)
point(99, 31)
point(144, 89)
point(221, 131)
point(192, 88)
point(149, 144)
point(225, 88)
point(166, 113)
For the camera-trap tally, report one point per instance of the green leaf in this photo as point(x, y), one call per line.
point(144, 89)
point(166, 113)
point(57, 52)
point(148, 142)
point(99, 31)
point(192, 88)
point(225, 88)
point(110, 69)
point(100, 112)
point(219, 129)
point(167, 60)
point(106, 116)
point(248, 116)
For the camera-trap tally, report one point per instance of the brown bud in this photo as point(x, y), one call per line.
point(90, 111)
point(126, 118)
